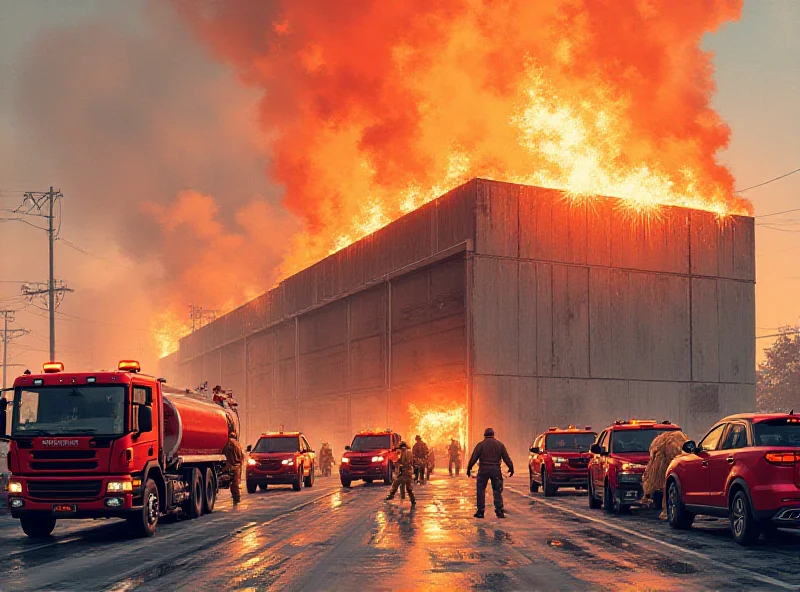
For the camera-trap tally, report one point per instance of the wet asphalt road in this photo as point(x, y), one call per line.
point(329, 538)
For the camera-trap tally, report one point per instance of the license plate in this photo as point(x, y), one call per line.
point(64, 508)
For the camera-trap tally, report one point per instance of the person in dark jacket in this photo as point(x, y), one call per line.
point(489, 452)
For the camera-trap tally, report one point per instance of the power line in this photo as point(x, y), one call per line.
point(767, 182)
point(778, 213)
point(8, 335)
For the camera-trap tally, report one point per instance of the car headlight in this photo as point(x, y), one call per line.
point(377, 459)
point(119, 486)
point(633, 467)
point(559, 459)
point(345, 460)
point(287, 461)
point(252, 462)
point(14, 487)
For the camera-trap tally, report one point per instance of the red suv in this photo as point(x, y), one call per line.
point(560, 458)
point(280, 458)
point(371, 456)
point(747, 469)
point(619, 458)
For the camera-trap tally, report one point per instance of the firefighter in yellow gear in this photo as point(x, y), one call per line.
point(405, 474)
point(326, 459)
point(234, 457)
point(663, 449)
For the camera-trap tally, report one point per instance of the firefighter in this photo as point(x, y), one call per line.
point(420, 454)
point(664, 448)
point(234, 456)
point(405, 467)
point(431, 463)
point(489, 453)
point(454, 452)
point(326, 459)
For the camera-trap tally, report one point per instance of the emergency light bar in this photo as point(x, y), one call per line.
point(52, 367)
point(129, 366)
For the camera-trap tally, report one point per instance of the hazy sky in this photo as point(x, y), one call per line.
point(757, 71)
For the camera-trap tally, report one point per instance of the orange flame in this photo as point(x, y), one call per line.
point(437, 425)
point(373, 109)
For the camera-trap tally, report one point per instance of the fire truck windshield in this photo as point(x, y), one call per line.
point(69, 409)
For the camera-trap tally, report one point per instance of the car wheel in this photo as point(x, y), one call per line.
point(744, 527)
point(608, 499)
point(209, 491)
point(549, 490)
point(678, 516)
point(534, 485)
point(368, 481)
point(37, 526)
point(298, 484)
point(251, 486)
point(390, 477)
point(262, 486)
point(594, 503)
point(309, 481)
point(346, 483)
point(143, 522)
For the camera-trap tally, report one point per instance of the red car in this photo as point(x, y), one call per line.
point(560, 458)
point(619, 458)
point(371, 456)
point(747, 469)
point(280, 458)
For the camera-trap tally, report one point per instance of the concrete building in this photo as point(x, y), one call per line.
point(525, 308)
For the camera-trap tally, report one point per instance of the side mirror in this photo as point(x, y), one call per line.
point(347, 448)
point(145, 419)
point(690, 447)
point(595, 449)
point(249, 448)
point(534, 449)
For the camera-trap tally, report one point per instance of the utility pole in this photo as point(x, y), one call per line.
point(44, 204)
point(8, 335)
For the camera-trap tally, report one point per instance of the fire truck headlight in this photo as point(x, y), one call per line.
point(14, 487)
point(377, 459)
point(119, 486)
point(252, 462)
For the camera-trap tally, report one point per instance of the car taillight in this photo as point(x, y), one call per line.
point(782, 458)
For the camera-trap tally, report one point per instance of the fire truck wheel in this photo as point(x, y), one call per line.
point(210, 491)
point(298, 484)
point(37, 526)
point(143, 522)
point(534, 487)
point(194, 506)
point(309, 481)
point(251, 487)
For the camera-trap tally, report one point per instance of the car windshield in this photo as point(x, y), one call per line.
point(634, 440)
point(61, 410)
point(282, 444)
point(568, 442)
point(777, 432)
point(361, 443)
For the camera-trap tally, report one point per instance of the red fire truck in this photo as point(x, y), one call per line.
point(112, 444)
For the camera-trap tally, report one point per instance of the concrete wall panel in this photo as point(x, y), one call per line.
point(705, 330)
point(495, 326)
point(527, 327)
point(571, 321)
point(455, 216)
point(736, 330)
point(657, 243)
point(497, 219)
point(544, 319)
point(602, 356)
